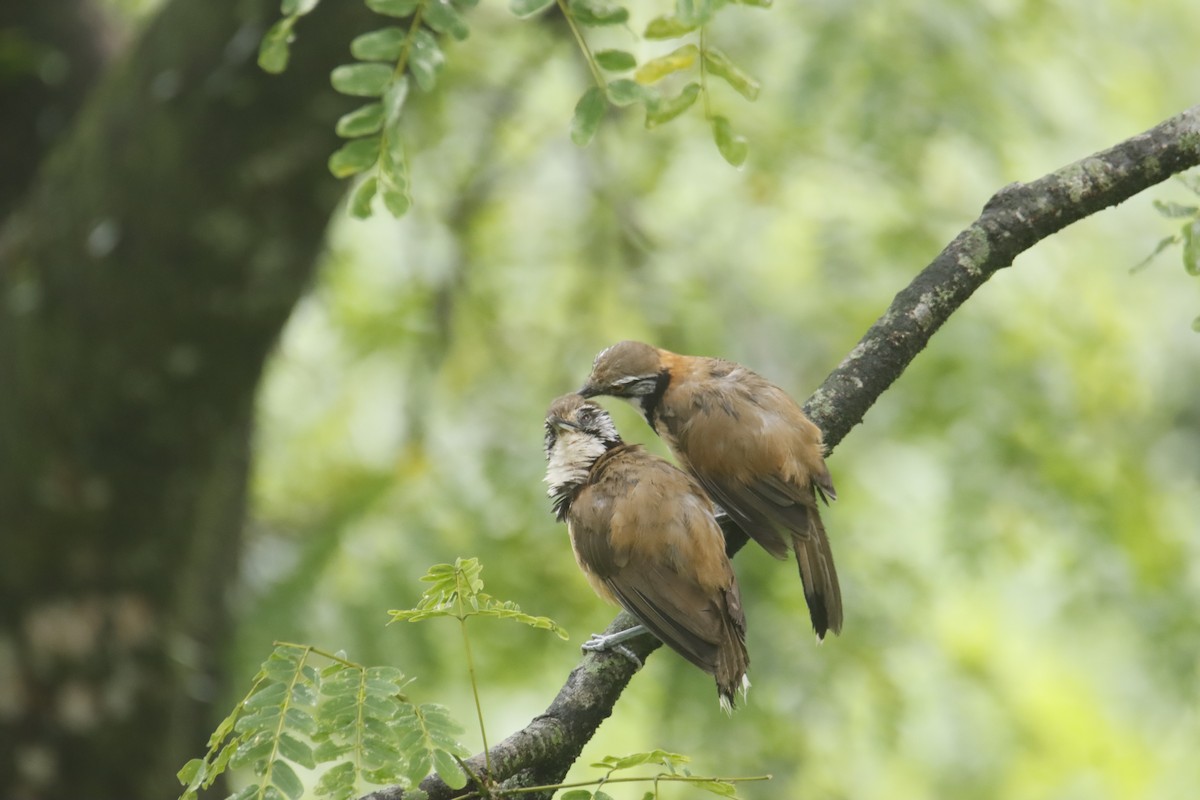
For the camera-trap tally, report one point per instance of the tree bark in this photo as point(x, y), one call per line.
point(55, 52)
point(143, 280)
point(1016, 218)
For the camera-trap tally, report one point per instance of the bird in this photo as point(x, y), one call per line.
point(747, 442)
point(645, 537)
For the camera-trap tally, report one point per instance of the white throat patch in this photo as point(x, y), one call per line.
point(571, 459)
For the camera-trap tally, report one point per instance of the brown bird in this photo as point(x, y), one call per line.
point(747, 443)
point(644, 534)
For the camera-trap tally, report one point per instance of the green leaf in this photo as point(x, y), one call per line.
point(733, 147)
point(527, 8)
point(246, 792)
point(273, 694)
point(443, 18)
point(354, 157)
point(457, 590)
point(285, 778)
point(221, 762)
point(513, 612)
point(667, 28)
point(384, 44)
point(360, 202)
point(601, 795)
point(423, 732)
point(361, 121)
point(426, 59)
point(616, 60)
point(576, 794)
point(624, 92)
point(595, 13)
point(282, 664)
point(192, 774)
point(658, 756)
point(303, 694)
point(273, 51)
point(1196, 324)
point(337, 783)
point(393, 188)
point(393, 103)
point(694, 12)
point(720, 65)
point(1191, 247)
point(717, 787)
point(253, 750)
point(299, 720)
point(656, 69)
point(297, 7)
point(295, 750)
point(448, 769)
point(361, 80)
point(665, 110)
point(226, 726)
point(394, 8)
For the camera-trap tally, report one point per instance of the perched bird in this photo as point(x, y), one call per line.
point(747, 443)
point(645, 537)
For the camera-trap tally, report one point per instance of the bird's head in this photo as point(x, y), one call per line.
point(573, 423)
point(627, 369)
point(577, 433)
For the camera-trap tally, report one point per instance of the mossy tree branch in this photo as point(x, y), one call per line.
point(1013, 220)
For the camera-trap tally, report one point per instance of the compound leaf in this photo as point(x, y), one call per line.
point(354, 157)
point(362, 80)
point(384, 44)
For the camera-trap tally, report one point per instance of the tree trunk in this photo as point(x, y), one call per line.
point(142, 282)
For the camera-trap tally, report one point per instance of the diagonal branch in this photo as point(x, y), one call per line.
point(1016, 218)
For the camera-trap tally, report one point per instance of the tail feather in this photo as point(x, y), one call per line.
point(821, 589)
point(732, 658)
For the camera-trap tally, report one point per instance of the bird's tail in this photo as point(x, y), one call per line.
point(732, 658)
point(821, 589)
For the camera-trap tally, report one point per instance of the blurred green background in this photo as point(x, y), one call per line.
point(1017, 529)
point(1017, 535)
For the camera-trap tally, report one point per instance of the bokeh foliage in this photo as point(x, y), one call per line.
point(1017, 534)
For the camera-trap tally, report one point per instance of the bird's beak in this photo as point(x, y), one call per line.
point(588, 390)
point(562, 424)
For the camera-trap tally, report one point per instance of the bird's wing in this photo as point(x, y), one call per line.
point(649, 535)
point(755, 453)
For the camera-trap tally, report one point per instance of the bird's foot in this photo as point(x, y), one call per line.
point(599, 643)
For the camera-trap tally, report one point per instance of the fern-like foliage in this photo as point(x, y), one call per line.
point(351, 722)
point(351, 726)
point(392, 57)
point(385, 60)
point(456, 591)
point(673, 770)
point(665, 86)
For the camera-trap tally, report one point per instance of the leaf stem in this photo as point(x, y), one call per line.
point(487, 757)
point(402, 62)
point(310, 649)
point(597, 75)
point(704, 75)
point(635, 779)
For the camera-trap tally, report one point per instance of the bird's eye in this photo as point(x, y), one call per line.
point(586, 416)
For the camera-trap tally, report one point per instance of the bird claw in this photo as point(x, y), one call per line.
point(625, 651)
point(599, 643)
